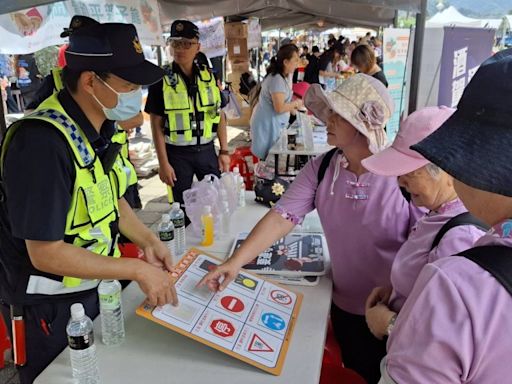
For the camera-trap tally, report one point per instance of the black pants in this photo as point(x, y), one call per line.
point(361, 351)
point(187, 161)
point(42, 348)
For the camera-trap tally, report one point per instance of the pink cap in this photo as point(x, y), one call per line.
point(399, 159)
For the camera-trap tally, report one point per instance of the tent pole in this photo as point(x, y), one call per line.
point(421, 19)
point(3, 125)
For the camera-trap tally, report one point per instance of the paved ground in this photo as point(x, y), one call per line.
point(153, 194)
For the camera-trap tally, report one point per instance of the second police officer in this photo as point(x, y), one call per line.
point(185, 109)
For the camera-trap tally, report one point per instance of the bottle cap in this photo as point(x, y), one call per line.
point(207, 209)
point(175, 205)
point(236, 170)
point(166, 218)
point(77, 311)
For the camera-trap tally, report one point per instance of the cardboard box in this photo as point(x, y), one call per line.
point(238, 50)
point(239, 66)
point(236, 30)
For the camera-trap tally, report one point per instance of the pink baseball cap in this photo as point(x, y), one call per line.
point(399, 159)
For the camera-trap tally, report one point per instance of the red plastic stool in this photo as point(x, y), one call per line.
point(332, 351)
point(243, 158)
point(130, 250)
point(5, 343)
point(335, 374)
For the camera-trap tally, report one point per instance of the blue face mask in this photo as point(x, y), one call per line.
point(128, 104)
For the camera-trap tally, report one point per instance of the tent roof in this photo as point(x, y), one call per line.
point(286, 13)
point(273, 13)
point(450, 16)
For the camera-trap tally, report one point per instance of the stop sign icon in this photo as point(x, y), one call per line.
point(222, 328)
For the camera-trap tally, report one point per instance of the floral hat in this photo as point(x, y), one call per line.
point(361, 100)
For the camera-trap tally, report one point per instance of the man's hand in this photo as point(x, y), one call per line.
point(224, 162)
point(167, 174)
point(378, 295)
point(378, 318)
point(157, 285)
point(158, 255)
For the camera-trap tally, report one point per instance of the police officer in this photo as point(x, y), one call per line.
point(60, 216)
point(185, 116)
point(123, 173)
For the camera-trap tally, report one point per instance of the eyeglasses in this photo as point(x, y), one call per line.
point(185, 44)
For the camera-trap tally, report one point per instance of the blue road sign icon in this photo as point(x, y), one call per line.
point(273, 321)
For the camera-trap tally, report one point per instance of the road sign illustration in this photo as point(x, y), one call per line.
point(232, 304)
point(280, 297)
point(222, 328)
point(258, 345)
point(273, 321)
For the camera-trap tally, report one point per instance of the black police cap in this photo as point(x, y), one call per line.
point(184, 29)
point(77, 22)
point(113, 48)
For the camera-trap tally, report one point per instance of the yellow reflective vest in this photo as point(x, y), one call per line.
point(183, 116)
point(123, 173)
point(92, 218)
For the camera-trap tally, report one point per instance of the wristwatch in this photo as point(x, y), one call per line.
point(223, 152)
point(391, 324)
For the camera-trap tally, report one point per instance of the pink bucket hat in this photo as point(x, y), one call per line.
point(361, 100)
point(399, 159)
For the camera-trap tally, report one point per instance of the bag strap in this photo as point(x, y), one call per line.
point(465, 218)
point(495, 259)
point(325, 164)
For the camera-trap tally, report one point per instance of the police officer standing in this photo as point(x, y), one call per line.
point(185, 116)
point(59, 213)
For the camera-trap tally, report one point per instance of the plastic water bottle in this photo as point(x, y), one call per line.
point(225, 219)
point(166, 234)
point(81, 345)
point(241, 192)
point(178, 219)
point(111, 311)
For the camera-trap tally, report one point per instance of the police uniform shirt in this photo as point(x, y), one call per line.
point(39, 156)
point(155, 101)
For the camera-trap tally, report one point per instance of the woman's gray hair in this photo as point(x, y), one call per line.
point(433, 170)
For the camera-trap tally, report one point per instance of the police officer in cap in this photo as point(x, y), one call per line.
point(185, 109)
point(60, 216)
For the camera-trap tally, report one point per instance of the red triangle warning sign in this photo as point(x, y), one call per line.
point(258, 345)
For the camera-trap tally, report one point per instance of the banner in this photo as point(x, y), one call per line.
point(395, 49)
point(212, 37)
point(32, 29)
point(254, 39)
point(464, 49)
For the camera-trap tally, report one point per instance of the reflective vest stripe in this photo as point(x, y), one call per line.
point(57, 79)
point(44, 286)
point(71, 129)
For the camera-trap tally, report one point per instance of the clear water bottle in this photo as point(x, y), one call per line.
point(111, 311)
point(81, 346)
point(241, 192)
point(166, 234)
point(178, 219)
point(225, 220)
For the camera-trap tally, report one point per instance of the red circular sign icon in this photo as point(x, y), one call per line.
point(232, 304)
point(281, 297)
point(222, 328)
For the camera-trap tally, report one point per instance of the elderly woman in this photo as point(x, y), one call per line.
point(365, 217)
point(272, 112)
point(432, 188)
point(456, 325)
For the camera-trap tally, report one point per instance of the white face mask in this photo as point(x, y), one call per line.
point(128, 104)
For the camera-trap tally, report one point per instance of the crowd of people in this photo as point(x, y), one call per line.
point(420, 289)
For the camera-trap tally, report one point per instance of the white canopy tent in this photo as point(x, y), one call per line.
point(451, 17)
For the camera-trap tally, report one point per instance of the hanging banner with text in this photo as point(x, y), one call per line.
point(254, 39)
point(464, 49)
point(212, 37)
point(395, 49)
point(39, 27)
